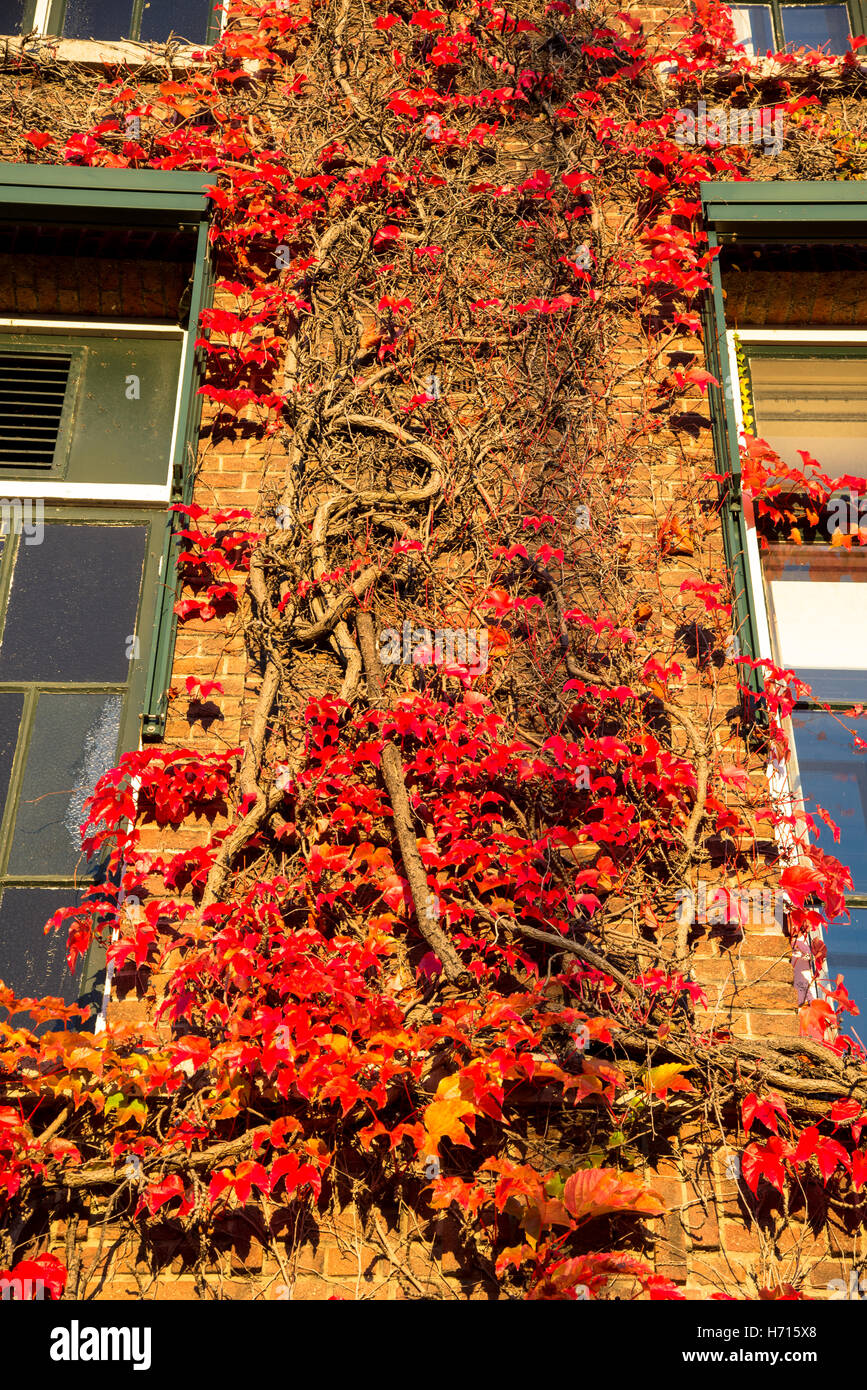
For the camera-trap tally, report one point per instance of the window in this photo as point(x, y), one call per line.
point(781, 28)
point(148, 21)
point(807, 390)
point(97, 431)
point(801, 604)
point(62, 391)
point(78, 591)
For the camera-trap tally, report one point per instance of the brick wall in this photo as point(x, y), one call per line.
point(99, 287)
point(796, 299)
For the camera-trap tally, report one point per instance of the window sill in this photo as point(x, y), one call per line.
point(126, 52)
point(781, 65)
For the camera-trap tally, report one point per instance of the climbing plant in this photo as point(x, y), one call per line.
point(434, 948)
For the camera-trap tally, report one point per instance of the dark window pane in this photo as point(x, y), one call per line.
point(73, 605)
point(11, 15)
point(835, 776)
point(816, 26)
point(74, 741)
point(31, 963)
point(186, 19)
point(97, 19)
point(754, 31)
point(847, 956)
point(11, 706)
point(119, 438)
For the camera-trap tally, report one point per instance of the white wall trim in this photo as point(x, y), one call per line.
point(85, 492)
point(40, 18)
point(97, 327)
point(800, 335)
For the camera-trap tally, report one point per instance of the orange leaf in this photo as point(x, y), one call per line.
point(442, 1120)
point(660, 1080)
point(594, 1192)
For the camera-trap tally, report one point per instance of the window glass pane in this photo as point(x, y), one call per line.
point(817, 605)
point(846, 943)
point(31, 963)
point(74, 741)
point(754, 31)
point(97, 19)
point(124, 410)
point(73, 604)
point(11, 15)
point(834, 776)
point(11, 707)
point(816, 26)
point(814, 403)
point(186, 19)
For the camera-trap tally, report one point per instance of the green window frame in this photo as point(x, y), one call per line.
point(797, 213)
point(856, 14)
point(133, 198)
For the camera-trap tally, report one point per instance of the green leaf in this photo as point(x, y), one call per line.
point(555, 1186)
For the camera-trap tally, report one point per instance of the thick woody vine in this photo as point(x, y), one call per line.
point(436, 948)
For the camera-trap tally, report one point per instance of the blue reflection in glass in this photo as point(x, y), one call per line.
point(816, 26)
point(835, 776)
point(186, 19)
point(97, 19)
point(846, 943)
point(754, 30)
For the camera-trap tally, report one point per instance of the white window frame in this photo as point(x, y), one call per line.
point(28, 487)
point(783, 779)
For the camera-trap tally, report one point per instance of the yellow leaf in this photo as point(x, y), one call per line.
point(391, 1038)
point(667, 1077)
point(442, 1120)
point(458, 1086)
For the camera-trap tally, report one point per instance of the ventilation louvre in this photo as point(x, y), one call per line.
point(32, 393)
